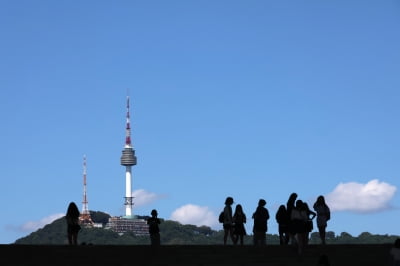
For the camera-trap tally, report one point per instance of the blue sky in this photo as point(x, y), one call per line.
point(249, 99)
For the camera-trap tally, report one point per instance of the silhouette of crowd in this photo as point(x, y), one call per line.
point(295, 222)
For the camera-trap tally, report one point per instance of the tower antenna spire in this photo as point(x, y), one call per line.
point(128, 159)
point(128, 125)
point(85, 215)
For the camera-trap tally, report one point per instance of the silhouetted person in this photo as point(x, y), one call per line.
point(228, 220)
point(299, 219)
point(73, 226)
point(323, 216)
point(154, 230)
point(239, 219)
point(290, 205)
point(282, 219)
point(309, 224)
point(260, 216)
point(395, 253)
point(323, 260)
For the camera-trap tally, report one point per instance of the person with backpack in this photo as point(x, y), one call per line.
point(154, 230)
point(260, 216)
point(227, 220)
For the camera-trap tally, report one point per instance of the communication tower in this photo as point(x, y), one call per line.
point(128, 159)
point(85, 218)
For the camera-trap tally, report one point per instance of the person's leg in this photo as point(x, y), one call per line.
point(226, 232)
point(75, 238)
point(69, 238)
point(264, 239)
point(300, 242)
point(282, 239)
point(322, 234)
point(231, 233)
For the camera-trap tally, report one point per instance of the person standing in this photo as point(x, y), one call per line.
point(323, 216)
point(73, 227)
point(282, 219)
point(299, 220)
point(228, 220)
point(260, 227)
point(239, 219)
point(290, 205)
point(154, 230)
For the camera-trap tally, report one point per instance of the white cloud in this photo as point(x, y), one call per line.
point(194, 214)
point(363, 198)
point(34, 225)
point(143, 197)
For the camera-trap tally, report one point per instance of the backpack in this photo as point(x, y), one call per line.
point(221, 217)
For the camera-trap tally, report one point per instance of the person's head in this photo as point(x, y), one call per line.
point(282, 208)
point(321, 200)
point(299, 204)
point(154, 213)
point(293, 196)
point(239, 208)
point(229, 201)
point(72, 209)
point(262, 203)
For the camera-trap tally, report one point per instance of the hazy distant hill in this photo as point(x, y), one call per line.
point(172, 233)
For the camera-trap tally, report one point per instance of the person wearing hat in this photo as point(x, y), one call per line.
point(228, 221)
point(260, 216)
point(154, 231)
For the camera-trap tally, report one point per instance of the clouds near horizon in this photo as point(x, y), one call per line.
point(143, 197)
point(32, 226)
point(194, 214)
point(373, 196)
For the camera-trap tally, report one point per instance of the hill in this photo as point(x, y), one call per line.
point(173, 233)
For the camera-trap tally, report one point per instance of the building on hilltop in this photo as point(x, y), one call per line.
point(121, 225)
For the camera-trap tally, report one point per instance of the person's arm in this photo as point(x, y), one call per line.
point(313, 214)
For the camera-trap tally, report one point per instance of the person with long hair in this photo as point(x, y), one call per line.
point(239, 219)
point(73, 226)
point(290, 205)
point(323, 216)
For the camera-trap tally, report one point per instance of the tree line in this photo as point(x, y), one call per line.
point(174, 233)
